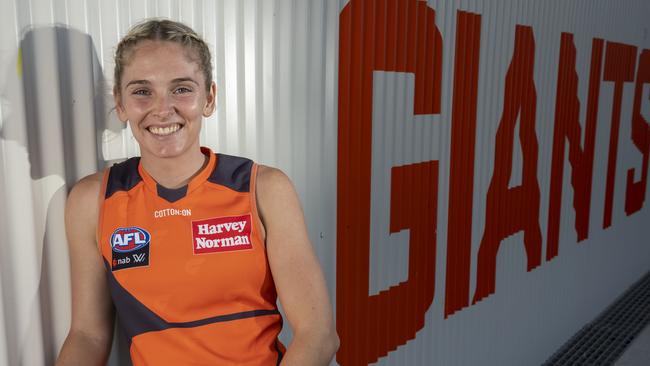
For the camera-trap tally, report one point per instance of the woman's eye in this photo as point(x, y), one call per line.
point(141, 92)
point(182, 90)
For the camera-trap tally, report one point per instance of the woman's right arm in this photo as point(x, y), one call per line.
point(91, 331)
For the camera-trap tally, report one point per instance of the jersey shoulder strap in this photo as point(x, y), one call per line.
point(233, 172)
point(123, 176)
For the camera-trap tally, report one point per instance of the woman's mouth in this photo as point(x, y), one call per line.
point(164, 131)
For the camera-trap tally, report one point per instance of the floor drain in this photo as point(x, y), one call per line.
point(602, 341)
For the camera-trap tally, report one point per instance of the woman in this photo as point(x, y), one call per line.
point(192, 245)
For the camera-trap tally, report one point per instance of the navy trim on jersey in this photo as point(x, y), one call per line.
point(280, 355)
point(233, 172)
point(123, 176)
point(136, 318)
point(225, 318)
point(171, 194)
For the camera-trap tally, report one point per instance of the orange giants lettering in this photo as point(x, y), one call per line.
point(402, 36)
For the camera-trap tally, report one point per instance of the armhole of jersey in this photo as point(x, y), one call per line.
point(100, 208)
point(257, 221)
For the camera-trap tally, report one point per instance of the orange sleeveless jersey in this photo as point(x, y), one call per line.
point(187, 268)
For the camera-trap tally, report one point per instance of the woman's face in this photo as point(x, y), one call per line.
point(164, 98)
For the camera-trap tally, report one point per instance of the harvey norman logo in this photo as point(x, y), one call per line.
point(221, 234)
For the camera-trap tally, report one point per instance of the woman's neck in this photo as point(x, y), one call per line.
point(174, 172)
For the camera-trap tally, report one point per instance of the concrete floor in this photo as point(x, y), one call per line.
point(638, 352)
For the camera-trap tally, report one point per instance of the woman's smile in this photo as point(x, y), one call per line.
point(164, 130)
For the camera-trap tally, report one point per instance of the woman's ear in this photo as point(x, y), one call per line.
point(119, 108)
point(211, 99)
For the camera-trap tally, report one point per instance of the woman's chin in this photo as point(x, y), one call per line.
point(165, 152)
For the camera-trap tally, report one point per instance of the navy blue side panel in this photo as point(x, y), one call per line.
point(123, 176)
point(233, 172)
point(280, 355)
point(171, 194)
point(136, 318)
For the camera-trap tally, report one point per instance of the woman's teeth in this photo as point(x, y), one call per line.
point(163, 131)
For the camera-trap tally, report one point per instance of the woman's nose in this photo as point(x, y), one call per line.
point(164, 107)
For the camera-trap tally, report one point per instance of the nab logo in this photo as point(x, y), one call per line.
point(130, 248)
point(129, 239)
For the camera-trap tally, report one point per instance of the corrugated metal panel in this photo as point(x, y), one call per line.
point(291, 95)
point(528, 313)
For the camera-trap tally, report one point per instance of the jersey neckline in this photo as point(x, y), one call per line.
point(175, 194)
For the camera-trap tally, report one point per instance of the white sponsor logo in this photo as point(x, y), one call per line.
point(139, 257)
point(206, 229)
point(202, 243)
point(172, 212)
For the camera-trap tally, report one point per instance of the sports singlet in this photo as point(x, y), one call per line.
point(187, 268)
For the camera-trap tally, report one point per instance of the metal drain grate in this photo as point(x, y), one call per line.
point(602, 341)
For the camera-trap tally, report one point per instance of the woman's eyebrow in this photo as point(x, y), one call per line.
point(174, 81)
point(137, 82)
point(180, 80)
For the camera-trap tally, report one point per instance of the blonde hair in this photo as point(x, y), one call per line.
point(162, 30)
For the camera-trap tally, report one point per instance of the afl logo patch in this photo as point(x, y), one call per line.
point(130, 247)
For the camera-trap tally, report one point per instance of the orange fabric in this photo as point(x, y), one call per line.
point(179, 285)
point(226, 343)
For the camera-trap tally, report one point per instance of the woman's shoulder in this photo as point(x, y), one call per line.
point(91, 182)
point(270, 179)
point(275, 192)
point(86, 190)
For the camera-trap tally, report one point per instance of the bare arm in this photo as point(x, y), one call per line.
point(297, 274)
point(91, 331)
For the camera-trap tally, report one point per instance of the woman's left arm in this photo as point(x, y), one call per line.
point(297, 274)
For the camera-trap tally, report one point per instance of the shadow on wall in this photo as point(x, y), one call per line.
point(55, 112)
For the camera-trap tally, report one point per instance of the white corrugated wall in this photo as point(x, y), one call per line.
point(277, 68)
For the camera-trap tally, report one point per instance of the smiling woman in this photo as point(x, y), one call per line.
point(197, 284)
